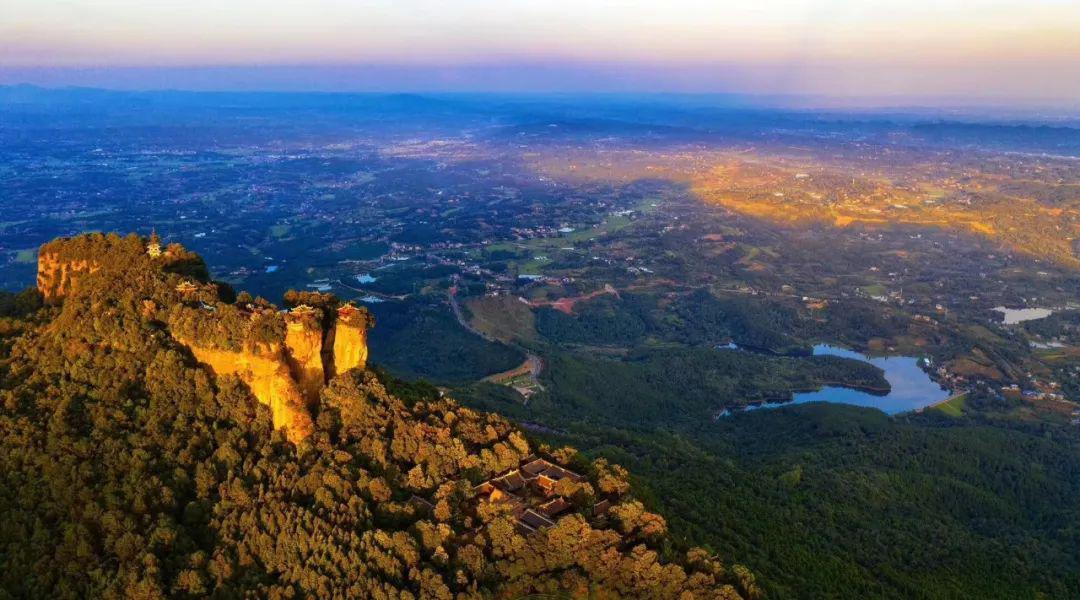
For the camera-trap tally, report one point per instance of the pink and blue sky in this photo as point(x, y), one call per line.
point(990, 50)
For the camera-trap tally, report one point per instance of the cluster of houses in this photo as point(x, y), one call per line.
point(1040, 391)
point(948, 379)
point(530, 492)
point(539, 231)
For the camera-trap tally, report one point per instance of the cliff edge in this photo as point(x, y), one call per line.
point(166, 438)
point(286, 357)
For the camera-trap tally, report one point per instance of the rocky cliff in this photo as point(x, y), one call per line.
point(265, 369)
point(304, 346)
point(136, 460)
point(57, 277)
point(285, 358)
point(65, 262)
point(349, 337)
point(282, 356)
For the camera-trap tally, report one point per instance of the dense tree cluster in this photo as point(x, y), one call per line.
point(451, 353)
point(227, 326)
point(665, 386)
point(833, 501)
point(127, 470)
point(125, 253)
point(700, 318)
point(602, 320)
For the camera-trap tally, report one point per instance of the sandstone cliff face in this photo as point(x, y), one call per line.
point(304, 342)
point(266, 371)
point(350, 346)
point(286, 368)
point(57, 278)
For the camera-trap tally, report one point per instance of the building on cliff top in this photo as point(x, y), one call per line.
point(347, 311)
point(186, 287)
point(153, 248)
point(302, 310)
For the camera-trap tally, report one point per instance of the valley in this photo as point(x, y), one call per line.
point(638, 289)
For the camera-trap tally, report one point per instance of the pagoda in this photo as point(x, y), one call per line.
point(302, 310)
point(185, 287)
point(347, 310)
point(154, 247)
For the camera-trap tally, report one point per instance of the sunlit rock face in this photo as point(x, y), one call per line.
point(289, 376)
point(56, 277)
point(64, 263)
point(304, 344)
point(286, 368)
point(350, 339)
point(265, 369)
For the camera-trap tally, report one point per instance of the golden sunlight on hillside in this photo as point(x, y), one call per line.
point(793, 191)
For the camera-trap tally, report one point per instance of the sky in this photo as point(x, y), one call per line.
point(975, 49)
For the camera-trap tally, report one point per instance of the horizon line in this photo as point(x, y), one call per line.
point(771, 81)
point(749, 100)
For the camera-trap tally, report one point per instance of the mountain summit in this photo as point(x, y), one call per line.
point(162, 436)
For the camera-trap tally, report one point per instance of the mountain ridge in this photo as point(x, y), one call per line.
point(131, 468)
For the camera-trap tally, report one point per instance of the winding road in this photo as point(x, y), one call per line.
point(533, 364)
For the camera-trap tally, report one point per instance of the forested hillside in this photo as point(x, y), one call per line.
point(833, 501)
point(128, 469)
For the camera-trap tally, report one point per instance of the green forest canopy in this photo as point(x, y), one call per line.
point(127, 470)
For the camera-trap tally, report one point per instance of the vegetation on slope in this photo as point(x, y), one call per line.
point(129, 470)
point(451, 353)
point(825, 500)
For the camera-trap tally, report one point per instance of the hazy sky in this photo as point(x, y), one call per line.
point(977, 48)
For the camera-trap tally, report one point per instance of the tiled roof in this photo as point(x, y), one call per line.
point(512, 481)
point(536, 520)
point(601, 507)
point(536, 467)
point(542, 467)
point(555, 506)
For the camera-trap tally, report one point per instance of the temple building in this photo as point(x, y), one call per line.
point(154, 247)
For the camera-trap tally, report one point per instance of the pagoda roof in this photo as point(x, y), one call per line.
point(348, 309)
point(302, 309)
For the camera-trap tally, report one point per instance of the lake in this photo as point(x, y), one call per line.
point(911, 387)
